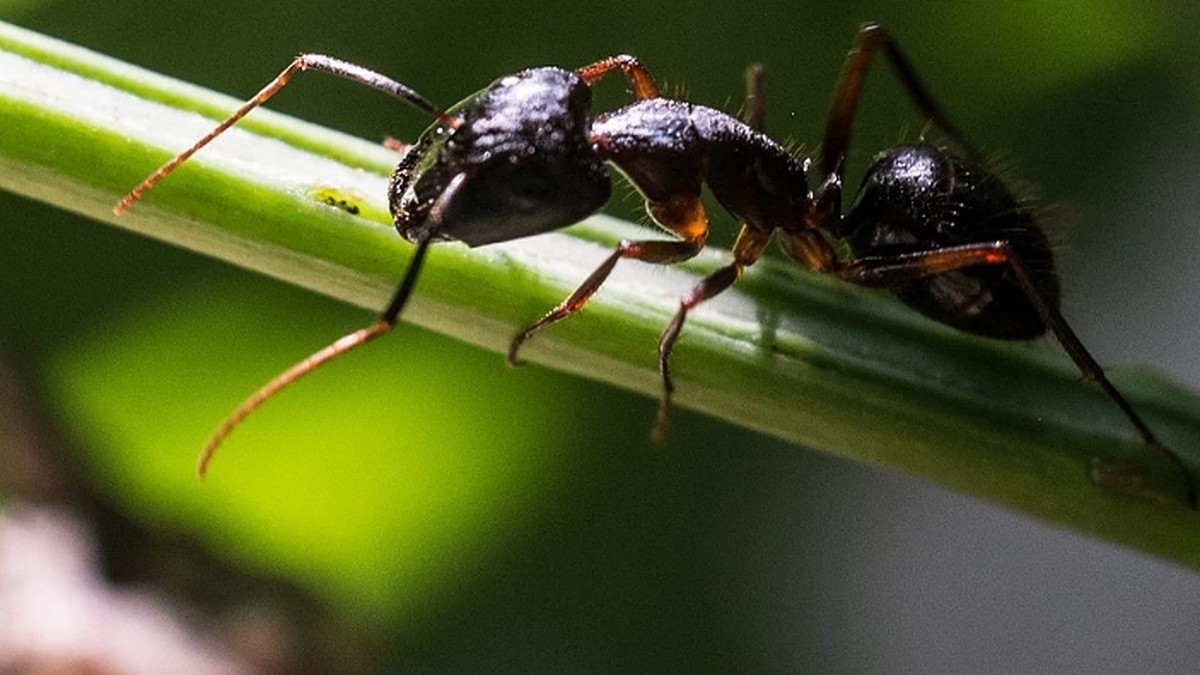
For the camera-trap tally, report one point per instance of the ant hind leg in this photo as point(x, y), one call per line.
point(871, 40)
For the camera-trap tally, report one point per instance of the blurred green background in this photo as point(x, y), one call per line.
point(458, 515)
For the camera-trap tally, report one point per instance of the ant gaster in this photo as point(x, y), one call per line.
point(525, 156)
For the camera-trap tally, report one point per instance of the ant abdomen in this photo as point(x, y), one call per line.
point(923, 198)
point(520, 151)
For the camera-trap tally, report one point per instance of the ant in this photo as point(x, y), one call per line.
point(526, 156)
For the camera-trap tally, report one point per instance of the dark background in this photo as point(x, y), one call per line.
point(441, 512)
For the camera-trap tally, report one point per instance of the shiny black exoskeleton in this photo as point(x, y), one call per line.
point(915, 198)
point(527, 155)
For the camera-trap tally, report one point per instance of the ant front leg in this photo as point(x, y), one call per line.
point(892, 271)
point(684, 216)
point(746, 250)
point(871, 40)
point(639, 76)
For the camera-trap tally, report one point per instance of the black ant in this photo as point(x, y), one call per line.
point(524, 156)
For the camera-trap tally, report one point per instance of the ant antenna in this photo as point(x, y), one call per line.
point(319, 62)
point(387, 320)
point(322, 356)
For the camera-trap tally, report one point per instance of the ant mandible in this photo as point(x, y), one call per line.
point(524, 156)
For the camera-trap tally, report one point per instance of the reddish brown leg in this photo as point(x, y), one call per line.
point(827, 207)
point(746, 250)
point(643, 83)
point(871, 39)
point(894, 270)
point(685, 217)
point(319, 62)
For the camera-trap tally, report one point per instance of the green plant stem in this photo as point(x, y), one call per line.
point(791, 354)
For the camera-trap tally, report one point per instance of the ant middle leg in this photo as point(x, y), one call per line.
point(892, 271)
point(746, 250)
point(683, 216)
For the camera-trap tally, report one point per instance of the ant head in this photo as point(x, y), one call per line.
point(521, 146)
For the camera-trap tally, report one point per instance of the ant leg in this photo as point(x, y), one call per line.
point(756, 97)
point(643, 83)
point(683, 216)
point(385, 323)
point(318, 62)
point(871, 39)
point(396, 145)
point(746, 250)
point(888, 271)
